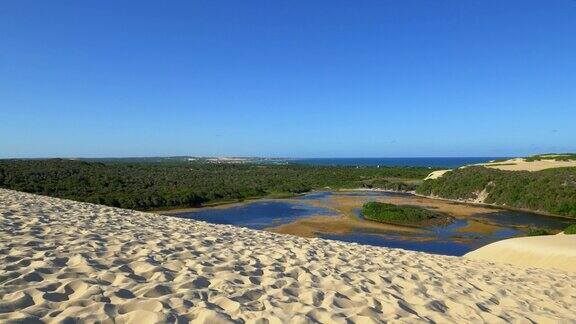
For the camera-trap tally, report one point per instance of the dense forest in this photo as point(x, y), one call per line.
point(146, 186)
point(552, 190)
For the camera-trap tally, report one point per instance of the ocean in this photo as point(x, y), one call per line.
point(435, 162)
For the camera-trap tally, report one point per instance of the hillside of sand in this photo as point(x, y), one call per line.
point(64, 261)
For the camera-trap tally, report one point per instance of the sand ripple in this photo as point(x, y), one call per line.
point(62, 260)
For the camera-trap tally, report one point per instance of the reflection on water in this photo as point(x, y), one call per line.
point(446, 240)
point(257, 215)
point(514, 218)
point(321, 195)
point(457, 238)
point(437, 247)
point(374, 193)
point(324, 195)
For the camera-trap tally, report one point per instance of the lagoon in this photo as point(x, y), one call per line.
point(257, 215)
point(463, 235)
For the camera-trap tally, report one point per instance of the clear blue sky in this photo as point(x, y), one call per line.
point(287, 78)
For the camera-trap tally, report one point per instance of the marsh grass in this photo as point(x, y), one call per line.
point(538, 231)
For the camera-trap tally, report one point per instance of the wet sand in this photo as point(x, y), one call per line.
point(343, 224)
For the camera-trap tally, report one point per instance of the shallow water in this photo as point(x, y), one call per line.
point(447, 240)
point(515, 218)
point(436, 247)
point(439, 240)
point(257, 215)
point(321, 195)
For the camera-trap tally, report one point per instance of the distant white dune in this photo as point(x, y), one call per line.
point(436, 174)
point(520, 164)
point(68, 261)
point(516, 164)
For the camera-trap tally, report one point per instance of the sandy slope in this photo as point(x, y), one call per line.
point(515, 164)
point(550, 251)
point(520, 164)
point(436, 174)
point(66, 260)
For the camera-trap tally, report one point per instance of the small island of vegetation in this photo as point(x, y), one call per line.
point(402, 214)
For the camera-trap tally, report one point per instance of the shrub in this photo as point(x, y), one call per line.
point(536, 231)
point(570, 229)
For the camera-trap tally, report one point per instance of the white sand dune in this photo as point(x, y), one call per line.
point(62, 260)
point(515, 164)
point(520, 164)
point(549, 251)
point(436, 174)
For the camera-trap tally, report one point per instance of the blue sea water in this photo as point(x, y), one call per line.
point(433, 162)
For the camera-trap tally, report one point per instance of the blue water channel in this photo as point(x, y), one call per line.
point(258, 215)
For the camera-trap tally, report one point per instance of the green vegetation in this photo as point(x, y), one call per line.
point(551, 190)
point(393, 184)
point(395, 214)
point(156, 185)
point(537, 231)
point(552, 156)
point(570, 229)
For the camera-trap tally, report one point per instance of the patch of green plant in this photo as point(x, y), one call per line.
point(570, 230)
point(537, 231)
point(395, 214)
point(552, 156)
